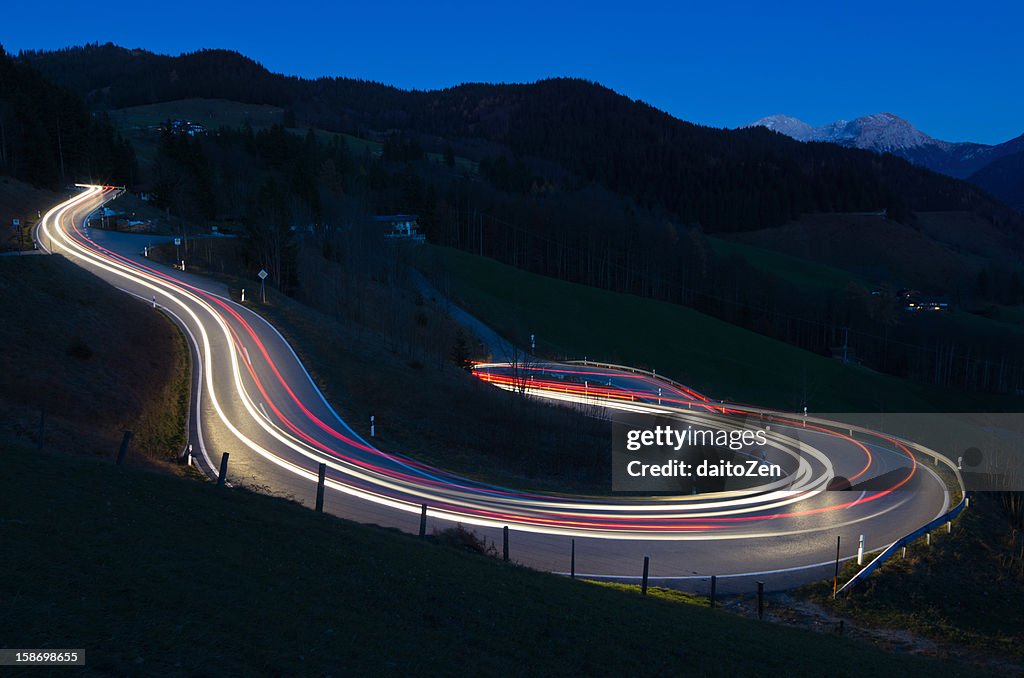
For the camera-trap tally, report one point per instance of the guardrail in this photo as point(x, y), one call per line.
point(899, 543)
point(636, 370)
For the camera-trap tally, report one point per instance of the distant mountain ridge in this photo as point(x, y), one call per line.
point(889, 133)
point(723, 180)
point(882, 132)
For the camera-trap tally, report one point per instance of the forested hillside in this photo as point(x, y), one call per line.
point(49, 138)
point(563, 131)
point(1004, 178)
point(569, 179)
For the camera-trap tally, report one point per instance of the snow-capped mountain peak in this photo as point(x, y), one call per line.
point(885, 132)
point(881, 132)
point(790, 126)
point(889, 133)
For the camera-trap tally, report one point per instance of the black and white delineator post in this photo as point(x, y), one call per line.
point(860, 551)
point(533, 343)
point(222, 477)
point(373, 426)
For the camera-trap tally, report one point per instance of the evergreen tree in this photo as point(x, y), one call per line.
point(460, 351)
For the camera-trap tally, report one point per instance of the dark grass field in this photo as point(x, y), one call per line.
point(425, 406)
point(440, 414)
point(966, 588)
point(156, 575)
point(927, 257)
point(25, 203)
point(719, 359)
point(93, 359)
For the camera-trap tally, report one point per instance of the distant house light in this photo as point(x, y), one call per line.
point(401, 227)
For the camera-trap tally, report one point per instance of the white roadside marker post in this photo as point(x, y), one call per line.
point(860, 551)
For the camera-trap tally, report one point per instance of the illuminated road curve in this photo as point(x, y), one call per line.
point(254, 399)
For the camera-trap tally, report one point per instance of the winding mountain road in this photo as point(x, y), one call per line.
point(252, 397)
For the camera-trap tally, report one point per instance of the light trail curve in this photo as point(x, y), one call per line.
point(254, 398)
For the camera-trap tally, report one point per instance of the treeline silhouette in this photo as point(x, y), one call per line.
point(723, 180)
point(48, 137)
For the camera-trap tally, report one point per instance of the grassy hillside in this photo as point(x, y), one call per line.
point(138, 123)
point(212, 113)
point(21, 201)
point(425, 406)
point(95, 360)
point(966, 587)
point(803, 273)
point(154, 575)
point(713, 356)
point(943, 253)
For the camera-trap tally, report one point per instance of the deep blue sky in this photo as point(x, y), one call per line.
point(953, 69)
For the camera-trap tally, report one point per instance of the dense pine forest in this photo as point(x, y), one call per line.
point(47, 136)
point(723, 180)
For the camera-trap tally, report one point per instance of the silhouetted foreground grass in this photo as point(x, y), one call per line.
point(155, 575)
point(94, 359)
point(966, 587)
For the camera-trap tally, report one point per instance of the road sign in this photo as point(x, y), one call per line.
point(177, 241)
point(16, 222)
point(263, 288)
